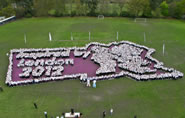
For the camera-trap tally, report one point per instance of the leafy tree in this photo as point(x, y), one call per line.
point(24, 7)
point(79, 7)
point(104, 7)
point(134, 8)
point(40, 7)
point(3, 4)
point(137, 7)
point(60, 7)
point(172, 8)
point(52, 12)
point(44, 7)
point(92, 4)
point(85, 6)
point(156, 13)
point(115, 11)
point(147, 12)
point(70, 2)
point(179, 9)
point(154, 4)
point(7, 11)
point(164, 8)
point(121, 4)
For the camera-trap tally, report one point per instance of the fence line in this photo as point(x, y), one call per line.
point(7, 20)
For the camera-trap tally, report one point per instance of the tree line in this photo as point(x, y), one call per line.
point(113, 8)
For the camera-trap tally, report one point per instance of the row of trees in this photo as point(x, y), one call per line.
point(129, 8)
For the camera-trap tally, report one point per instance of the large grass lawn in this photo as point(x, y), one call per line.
point(152, 99)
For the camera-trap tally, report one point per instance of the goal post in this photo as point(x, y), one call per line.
point(140, 20)
point(100, 16)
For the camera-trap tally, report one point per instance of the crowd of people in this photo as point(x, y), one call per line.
point(124, 55)
point(129, 58)
point(102, 56)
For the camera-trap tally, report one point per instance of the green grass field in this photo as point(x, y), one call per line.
point(152, 99)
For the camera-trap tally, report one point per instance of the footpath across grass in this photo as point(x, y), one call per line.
point(151, 99)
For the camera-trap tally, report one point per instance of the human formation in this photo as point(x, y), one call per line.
point(117, 59)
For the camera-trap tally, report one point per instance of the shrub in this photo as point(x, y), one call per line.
point(147, 12)
point(180, 9)
point(156, 13)
point(164, 8)
point(92, 14)
point(73, 13)
point(28, 15)
point(52, 12)
point(114, 13)
point(124, 14)
point(20, 12)
point(7, 11)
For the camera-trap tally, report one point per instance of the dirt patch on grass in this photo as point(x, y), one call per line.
point(97, 98)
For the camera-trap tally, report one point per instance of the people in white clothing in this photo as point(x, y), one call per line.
point(94, 83)
point(88, 83)
point(111, 111)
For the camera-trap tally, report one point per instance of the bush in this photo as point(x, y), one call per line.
point(20, 12)
point(28, 15)
point(124, 14)
point(164, 8)
point(92, 13)
point(180, 9)
point(59, 13)
point(114, 13)
point(147, 13)
point(73, 13)
point(52, 12)
point(156, 13)
point(106, 14)
point(172, 7)
point(7, 11)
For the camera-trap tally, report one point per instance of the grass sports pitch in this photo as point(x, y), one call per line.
point(150, 99)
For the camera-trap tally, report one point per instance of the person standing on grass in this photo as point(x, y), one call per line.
point(81, 79)
point(94, 83)
point(111, 111)
point(62, 116)
point(88, 83)
point(84, 80)
point(46, 114)
point(72, 111)
point(104, 114)
point(35, 105)
point(1, 89)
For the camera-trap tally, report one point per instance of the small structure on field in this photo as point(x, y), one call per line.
point(140, 20)
point(100, 16)
point(50, 37)
point(72, 114)
point(6, 20)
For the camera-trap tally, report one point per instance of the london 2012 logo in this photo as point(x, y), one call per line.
point(95, 61)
